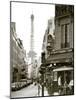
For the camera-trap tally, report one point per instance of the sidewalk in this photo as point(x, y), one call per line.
point(46, 92)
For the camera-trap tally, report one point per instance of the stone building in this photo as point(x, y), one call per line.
point(47, 48)
point(62, 56)
point(48, 39)
point(17, 56)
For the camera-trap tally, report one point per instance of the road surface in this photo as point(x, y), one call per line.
point(30, 91)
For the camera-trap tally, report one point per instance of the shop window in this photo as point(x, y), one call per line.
point(55, 76)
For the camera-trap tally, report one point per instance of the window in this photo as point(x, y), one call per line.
point(55, 76)
point(65, 36)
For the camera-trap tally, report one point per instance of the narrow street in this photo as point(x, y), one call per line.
point(30, 91)
point(42, 50)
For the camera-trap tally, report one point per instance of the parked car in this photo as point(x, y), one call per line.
point(19, 85)
point(14, 86)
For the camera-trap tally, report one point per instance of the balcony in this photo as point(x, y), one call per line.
point(63, 11)
point(61, 56)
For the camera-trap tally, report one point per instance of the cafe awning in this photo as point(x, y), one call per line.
point(64, 68)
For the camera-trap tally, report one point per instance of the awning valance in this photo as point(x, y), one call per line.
point(63, 69)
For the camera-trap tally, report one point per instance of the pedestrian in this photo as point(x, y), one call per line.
point(38, 89)
point(59, 84)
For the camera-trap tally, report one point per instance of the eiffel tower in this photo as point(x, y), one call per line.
point(31, 53)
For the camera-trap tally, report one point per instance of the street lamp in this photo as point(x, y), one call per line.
point(42, 71)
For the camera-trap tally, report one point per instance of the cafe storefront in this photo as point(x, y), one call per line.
point(64, 79)
point(63, 71)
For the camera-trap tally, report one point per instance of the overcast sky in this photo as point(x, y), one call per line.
point(21, 13)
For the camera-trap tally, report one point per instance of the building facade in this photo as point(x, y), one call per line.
point(18, 55)
point(47, 48)
point(48, 39)
point(62, 56)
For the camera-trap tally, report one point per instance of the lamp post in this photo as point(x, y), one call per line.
point(42, 71)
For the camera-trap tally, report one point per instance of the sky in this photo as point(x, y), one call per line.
point(21, 14)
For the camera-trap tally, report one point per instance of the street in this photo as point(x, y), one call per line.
point(30, 91)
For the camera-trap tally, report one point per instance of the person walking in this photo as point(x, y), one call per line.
point(38, 89)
